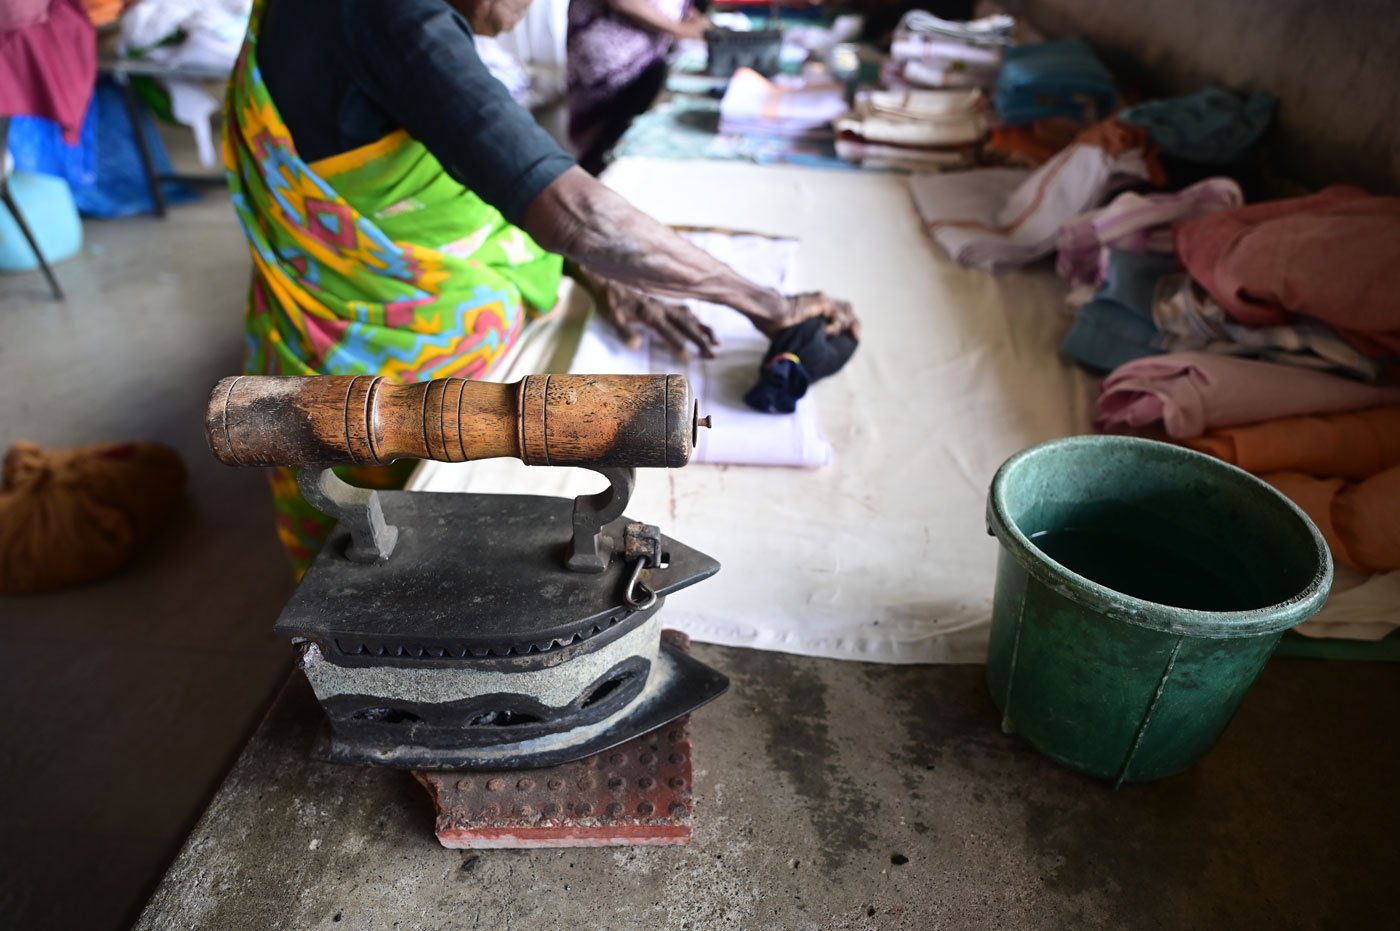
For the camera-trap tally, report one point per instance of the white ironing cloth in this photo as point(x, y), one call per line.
point(881, 555)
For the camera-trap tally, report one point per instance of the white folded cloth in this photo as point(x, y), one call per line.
point(923, 118)
point(753, 104)
point(1003, 218)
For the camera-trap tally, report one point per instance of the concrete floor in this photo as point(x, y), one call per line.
point(126, 700)
point(836, 795)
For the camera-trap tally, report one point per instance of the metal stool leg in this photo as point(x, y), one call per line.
point(148, 164)
point(29, 236)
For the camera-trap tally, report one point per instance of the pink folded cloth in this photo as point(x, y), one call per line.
point(16, 14)
point(1136, 223)
point(1334, 256)
point(1191, 392)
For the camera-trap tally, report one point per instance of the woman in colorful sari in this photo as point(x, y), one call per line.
point(407, 218)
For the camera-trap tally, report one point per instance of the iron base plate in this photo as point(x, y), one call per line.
point(687, 684)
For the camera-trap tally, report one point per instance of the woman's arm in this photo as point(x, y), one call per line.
point(648, 17)
point(580, 218)
point(494, 147)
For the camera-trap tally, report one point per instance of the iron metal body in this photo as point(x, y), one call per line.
point(482, 631)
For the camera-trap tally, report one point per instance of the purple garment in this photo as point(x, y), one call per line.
point(606, 53)
point(1135, 223)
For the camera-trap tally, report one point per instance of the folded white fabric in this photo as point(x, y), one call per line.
point(946, 52)
point(931, 52)
point(928, 119)
point(926, 74)
point(1004, 218)
point(911, 134)
point(923, 105)
point(993, 30)
point(753, 104)
point(901, 158)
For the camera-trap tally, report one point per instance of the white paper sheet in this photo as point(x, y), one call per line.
point(741, 435)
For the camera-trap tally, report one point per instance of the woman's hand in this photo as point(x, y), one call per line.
point(694, 26)
point(628, 310)
point(648, 18)
point(611, 243)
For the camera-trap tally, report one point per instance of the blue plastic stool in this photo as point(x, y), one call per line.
point(59, 233)
point(39, 226)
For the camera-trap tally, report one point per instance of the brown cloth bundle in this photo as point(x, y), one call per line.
point(76, 515)
point(1343, 470)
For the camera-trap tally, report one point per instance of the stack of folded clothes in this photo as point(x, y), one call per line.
point(914, 129)
point(929, 52)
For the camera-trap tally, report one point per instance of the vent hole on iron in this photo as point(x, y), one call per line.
point(386, 716)
point(665, 562)
point(604, 690)
point(503, 719)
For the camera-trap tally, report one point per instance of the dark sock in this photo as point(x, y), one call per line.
point(799, 355)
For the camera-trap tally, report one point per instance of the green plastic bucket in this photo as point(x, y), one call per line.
point(1126, 653)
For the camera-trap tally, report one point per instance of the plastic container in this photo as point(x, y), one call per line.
point(1126, 654)
point(47, 205)
point(730, 50)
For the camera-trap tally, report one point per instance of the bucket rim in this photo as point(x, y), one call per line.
point(1152, 615)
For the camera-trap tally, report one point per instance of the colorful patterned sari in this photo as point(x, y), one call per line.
point(371, 262)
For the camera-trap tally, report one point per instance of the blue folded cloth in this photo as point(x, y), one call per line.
point(1117, 326)
point(1061, 78)
point(1211, 126)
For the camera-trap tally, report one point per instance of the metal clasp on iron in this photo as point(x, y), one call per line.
point(641, 550)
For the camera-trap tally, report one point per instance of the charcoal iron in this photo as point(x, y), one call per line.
point(480, 631)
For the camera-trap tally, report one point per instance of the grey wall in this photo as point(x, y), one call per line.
point(1335, 67)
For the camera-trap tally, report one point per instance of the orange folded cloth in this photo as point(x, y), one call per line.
point(1354, 445)
point(1036, 143)
point(102, 12)
point(1360, 520)
point(76, 515)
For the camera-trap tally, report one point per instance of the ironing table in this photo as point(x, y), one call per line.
point(881, 555)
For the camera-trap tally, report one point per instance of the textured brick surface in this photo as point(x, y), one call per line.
point(639, 793)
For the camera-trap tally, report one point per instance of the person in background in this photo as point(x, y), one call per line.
point(408, 218)
point(617, 66)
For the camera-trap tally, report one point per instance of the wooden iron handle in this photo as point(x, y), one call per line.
point(560, 420)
